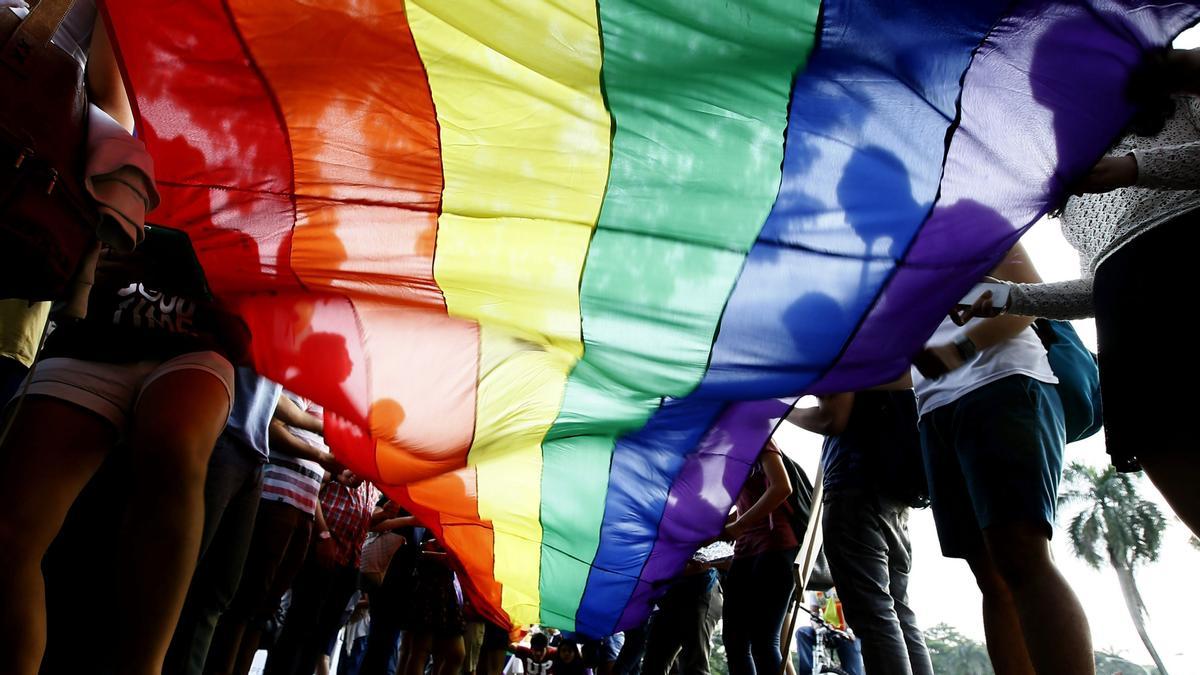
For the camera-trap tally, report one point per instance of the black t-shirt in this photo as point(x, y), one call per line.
point(150, 304)
point(130, 322)
point(575, 667)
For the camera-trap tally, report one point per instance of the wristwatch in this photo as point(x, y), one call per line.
point(966, 347)
point(324, 534)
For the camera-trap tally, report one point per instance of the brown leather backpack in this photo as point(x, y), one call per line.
point(47, 219)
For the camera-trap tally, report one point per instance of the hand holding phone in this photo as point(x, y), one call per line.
point(987, 299)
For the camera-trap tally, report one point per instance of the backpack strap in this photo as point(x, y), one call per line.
point(35, 31)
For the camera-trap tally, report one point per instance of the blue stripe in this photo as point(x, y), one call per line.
point(884, 71)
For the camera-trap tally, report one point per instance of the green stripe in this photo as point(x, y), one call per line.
point(698, 91)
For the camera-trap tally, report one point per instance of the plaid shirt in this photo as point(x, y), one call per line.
point(347, 514)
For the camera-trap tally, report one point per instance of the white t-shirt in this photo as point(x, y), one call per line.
point(1022, 355)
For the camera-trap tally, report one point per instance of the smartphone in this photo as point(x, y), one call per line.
point(999, 294)
point(171, 263)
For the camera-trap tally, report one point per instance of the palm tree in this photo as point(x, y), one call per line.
point(952, 652)
point(1118, 526)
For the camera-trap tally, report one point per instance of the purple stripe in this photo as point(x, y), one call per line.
point(1081, 66)
point(703, 493)
point(1062, 72)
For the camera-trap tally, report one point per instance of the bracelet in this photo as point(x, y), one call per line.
point(965, 347)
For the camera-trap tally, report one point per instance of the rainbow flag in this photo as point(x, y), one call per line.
point(557, 267)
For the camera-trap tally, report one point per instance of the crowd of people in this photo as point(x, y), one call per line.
point(178, 513)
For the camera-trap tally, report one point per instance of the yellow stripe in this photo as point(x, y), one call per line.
point(525, 152)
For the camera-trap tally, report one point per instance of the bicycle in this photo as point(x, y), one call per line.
point(822, 658)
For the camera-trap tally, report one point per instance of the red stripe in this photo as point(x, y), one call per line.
point(335, 113)
point(305, 502)
point(210, 120)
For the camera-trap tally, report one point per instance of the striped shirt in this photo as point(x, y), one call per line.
point(291, 480)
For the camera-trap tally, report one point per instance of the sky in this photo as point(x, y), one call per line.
point(943, 591)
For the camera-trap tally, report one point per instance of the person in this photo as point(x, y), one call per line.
point(849, 648)
point(494, 651)
point(865, 522)
point(144, 357)
point(992, 434)
point(538, 657)
point(1133, 221)
point(354, 638)
point(329, 576)
point(681, 628)
point(21, 327)
point(629, 661)
point(567, 660)
point(282, 528)
point(760, 581)
point(600, 655)
point(231, 492)
point(390, 600)
point(472, 637)
point(435, 621)
point(164, 388)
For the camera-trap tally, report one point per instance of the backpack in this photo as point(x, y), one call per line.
point(799, 504)
point(1078, 373)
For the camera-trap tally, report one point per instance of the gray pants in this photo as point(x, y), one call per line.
point(866, 542)
point(683, 627)
point(231, 494)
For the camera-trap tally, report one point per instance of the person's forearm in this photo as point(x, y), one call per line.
point(75, 300)
point(1170, 167)
point(289, 413)
point(811, 419)
point(999, 329)
point(284, 441)
point(1063, 300)
point(766, 504)
point(393, 523)
point(319, 519)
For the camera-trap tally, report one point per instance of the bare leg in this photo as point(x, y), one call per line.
point(1001, 626)
point(1176, 473)
point(1052, 620)
point(491, 661)
point(51, 452)
point(449, 654)
point(418, 653)
point(176, 424)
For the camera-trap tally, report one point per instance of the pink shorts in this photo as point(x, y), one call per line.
point(112, 390)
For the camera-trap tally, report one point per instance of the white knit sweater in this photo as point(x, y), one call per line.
point(1097, 225)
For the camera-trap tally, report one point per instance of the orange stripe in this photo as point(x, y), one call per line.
point(368, 183)
point(363, 136)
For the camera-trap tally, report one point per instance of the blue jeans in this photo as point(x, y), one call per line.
point(849, 651)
